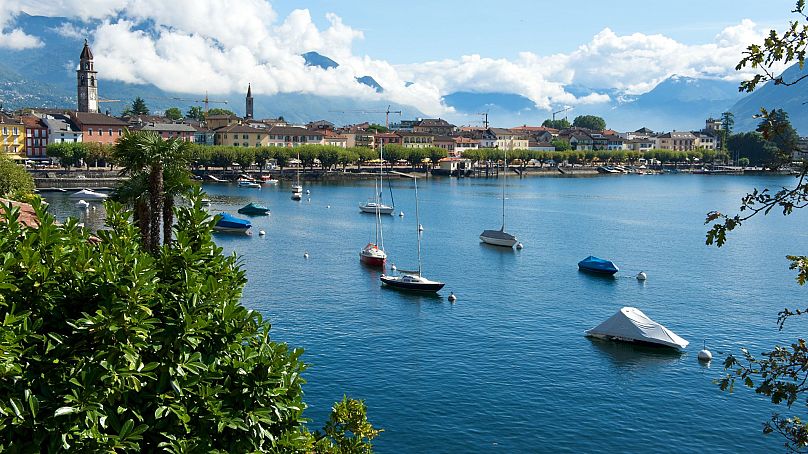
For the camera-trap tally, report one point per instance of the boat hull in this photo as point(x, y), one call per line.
point(397, 283)
point(596, 270)
point(598, 266)
point(231, 229)
point(628, 340)
point(505, 240)
point(382, 209)
point(372, 261)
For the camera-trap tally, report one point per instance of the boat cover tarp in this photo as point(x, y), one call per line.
point(498, 235)
point(252, 208)
point(87, 194)
point(630, 323)
point(231, 222)
point(598, 264)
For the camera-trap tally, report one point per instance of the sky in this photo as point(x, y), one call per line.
point(419, 51)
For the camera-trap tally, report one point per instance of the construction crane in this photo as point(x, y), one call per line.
point(205, 101)
point(564, 109)
point(108, 100)
point(485, 118)
point(385, 112)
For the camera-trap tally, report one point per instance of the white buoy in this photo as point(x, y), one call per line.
point(83, 204)
point(328, 206)
point(308, 192)
point(306, 255)
point(704, 354)
point(393, 267)
point(308, 200)
point(401, 214)
point(262, 233)
point(519, 245)
point(641, 276)
point(452, 297)
point(420, 228)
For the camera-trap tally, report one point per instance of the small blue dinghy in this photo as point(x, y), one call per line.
point(597, 265)
point(230, 223)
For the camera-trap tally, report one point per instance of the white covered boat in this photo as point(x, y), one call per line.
point(87, 194)
point(629, 324)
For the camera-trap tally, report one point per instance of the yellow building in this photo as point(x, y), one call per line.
point(12, 135)
point(241, 136)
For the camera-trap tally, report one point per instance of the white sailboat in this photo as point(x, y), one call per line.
point(412, 280)
point(297, 189)
point(500, 237)
point(373, 253)
point(375, 204)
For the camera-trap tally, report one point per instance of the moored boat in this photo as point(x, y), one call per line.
point(372, 255)
point(243, 183)
point(597, 265)
point(229, 223)
point(373, 207)
point(411, 282)
point(253, 208)
point(630, 324)
point(88, 194)
point(498, 238)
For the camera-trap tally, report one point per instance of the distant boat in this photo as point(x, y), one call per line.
point(297, 189)
point(267, 179)
point(629, 324)
point(500, 237)
point(242, 183)
point(216, 180)
point(412, 280)
point(607, 169)
point(253, 208)
point(597, 265)
point(87, 194)
point(230, 223)
point(375, 205)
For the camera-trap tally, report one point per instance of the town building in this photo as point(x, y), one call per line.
point(713, 124)
point(614, 142)
point(99, 128)
point(505, 139)
point(540, 146)
point(218, 121)
point(445, 142)
point(639, 144)
point(386, 138)
point(87, 81)
point(463, 144)
point(434, 126)
point(415, 139)
point(293, 136)
point(706, 141)
point(180, 131)
point(36, 137)
point(61, 129)
point(238, 135)
point(13, 136)
point(676, 141)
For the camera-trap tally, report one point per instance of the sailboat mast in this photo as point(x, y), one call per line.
point(417, 224)
point(504, 183)
point(379, 234)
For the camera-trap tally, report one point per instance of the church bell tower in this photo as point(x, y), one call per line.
point(248, 114)
point(87, 82)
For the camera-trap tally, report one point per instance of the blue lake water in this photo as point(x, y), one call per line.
point(506, 368)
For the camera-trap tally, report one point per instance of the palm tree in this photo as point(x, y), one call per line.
point(158, 172)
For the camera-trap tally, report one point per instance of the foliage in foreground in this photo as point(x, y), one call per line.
point(15, 182)
point(106, 347)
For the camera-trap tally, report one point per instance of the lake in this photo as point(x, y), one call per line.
point(506, 368)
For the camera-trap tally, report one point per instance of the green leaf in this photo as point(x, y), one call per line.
point(61, 411)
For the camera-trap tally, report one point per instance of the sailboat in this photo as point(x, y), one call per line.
point(412, 280)
point(373, 253)
point(297, 189)
point(500, 237)
point(375, 205)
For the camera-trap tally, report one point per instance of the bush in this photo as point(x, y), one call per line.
point(15, 182)
point(107, 348)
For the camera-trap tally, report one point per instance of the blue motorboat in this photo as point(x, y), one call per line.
point(230, 223)
point(597, 265)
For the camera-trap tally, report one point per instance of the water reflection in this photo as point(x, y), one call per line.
point(630, 356)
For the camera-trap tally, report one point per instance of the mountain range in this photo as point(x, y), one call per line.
point(45, 77)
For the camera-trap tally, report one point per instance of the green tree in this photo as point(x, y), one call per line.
point(562, 123)
point(561, 145)
point(15, 182)
point(220, 111)
point(69, 154)
point(328, 156)
point(262, 157)
point(592, 122)
point(281, 156)
point(435, 155)
point(138, 107)
point(148, 159)
point(347, 156)
point(781, 373)
point(173, 113)
point(776, 128)
point(112, 348)
point(376, 128)
point(743, 162)
point(196, 113)
point(245, 157)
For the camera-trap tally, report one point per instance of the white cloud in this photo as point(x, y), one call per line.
point(174, 46)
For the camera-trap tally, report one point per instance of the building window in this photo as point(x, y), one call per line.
point(245, 144)
point(16, 131)
point(90, 132)
point(110, 132)
point(120, 132)
point(244, 136)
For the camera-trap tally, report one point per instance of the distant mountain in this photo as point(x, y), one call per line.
point(792, 99)
point(370, 82)
point(321, 61)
